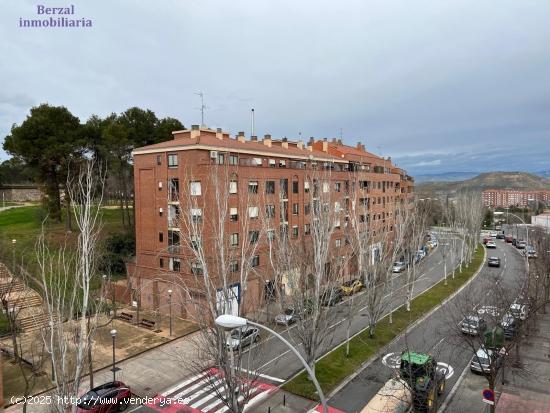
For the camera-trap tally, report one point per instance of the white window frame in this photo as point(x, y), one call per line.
point(195, 188)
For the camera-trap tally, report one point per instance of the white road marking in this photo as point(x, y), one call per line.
point(265, 376)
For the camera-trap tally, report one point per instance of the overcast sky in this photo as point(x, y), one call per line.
point(437, 85)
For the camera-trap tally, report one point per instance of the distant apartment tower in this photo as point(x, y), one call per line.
point(168, 172)
point(505, 198)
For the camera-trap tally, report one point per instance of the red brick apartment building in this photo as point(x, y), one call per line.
point(168, 172)
point(504, 198)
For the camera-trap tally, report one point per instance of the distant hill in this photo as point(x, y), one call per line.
point(444, 177)
point(488, 180)
point(545, 174)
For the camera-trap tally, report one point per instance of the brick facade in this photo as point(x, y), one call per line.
point(504, 198)
point(276, 172)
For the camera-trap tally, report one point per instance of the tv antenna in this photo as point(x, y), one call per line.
point(252, 122)
point(203, 107)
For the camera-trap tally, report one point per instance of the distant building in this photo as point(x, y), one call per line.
point(505, 198)
point(20, 193)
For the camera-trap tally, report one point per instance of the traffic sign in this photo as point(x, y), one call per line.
point(488, 396)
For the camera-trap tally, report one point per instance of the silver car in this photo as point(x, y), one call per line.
point(483, 359)
point(286, 318)
point(473, 325)
point(242, 337)
point(399, 266)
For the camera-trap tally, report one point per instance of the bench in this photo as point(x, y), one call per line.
point(126, 316)
point(147, 324)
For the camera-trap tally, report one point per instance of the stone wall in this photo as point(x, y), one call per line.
point(20, 193)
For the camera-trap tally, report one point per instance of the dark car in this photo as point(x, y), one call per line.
point(514, 242)
point(500, 235)
point(509, 325)
point(109, 397)
point(493, 262)
point(521, 245)
point(331, 297)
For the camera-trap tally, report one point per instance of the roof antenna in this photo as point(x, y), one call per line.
point(341, 133)
point(202, 106)
point(252, 122)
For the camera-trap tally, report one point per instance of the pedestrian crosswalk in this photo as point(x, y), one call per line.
point(204, 393)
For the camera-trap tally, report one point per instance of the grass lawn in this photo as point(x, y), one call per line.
point(24, 225)
point(335, 366)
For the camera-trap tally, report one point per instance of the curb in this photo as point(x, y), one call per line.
point(409, 328)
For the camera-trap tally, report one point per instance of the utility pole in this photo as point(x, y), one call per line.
point(252, 122)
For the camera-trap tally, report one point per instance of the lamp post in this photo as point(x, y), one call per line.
point(13, 242)
point(113, 335)
point(229, 322)
point(170, 309)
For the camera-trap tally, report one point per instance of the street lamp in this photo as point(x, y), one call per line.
point(229, 322)
point(13, 242)
point(113, 335)
point(170, 306)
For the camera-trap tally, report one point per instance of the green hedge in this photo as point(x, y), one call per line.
point(334, 367)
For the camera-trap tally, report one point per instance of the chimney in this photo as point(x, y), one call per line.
point(254, 138)
point(267, 140)
point(300, 145)
point(195, 131)
point(311, 141)
point(334, 140)
point(325, 145)
point(359, 145)
point(339, 141)
point(240, 137)
point(219, 133)
point(284, 142)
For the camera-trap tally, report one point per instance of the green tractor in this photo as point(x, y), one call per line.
point(420, 372)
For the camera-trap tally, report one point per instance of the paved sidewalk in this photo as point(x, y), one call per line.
point(147, 374)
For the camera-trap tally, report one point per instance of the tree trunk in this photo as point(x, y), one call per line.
point(69, 220)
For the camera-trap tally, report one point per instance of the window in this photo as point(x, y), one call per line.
point(282, 163)
point(174, 264)
point(161, 237)
point(233, 214)
point(221, 159)
point(160, 212)
point(272, 163)
point(307, 229)
point(160, 185)
point(234, 266)
point(306, 187)
point(234, 239)
point(270, 234)
point(172, 160)
point(173, 215)
point(295, 208)
point(173, 241)
point(326, 187)
point(364, 202)
point(270, 211)
point(196, 214)
point(337, 207)
point(161, 262)
point(159, 159)
point(283, 230)
point(196, 268)
point(295, 187)
point(295, 231)
point(338, 243)
point(173, 189)
point(284, 211)
point(253, 212)
point(283, 187)
point(195, 188)
point(337, 186)
point(257, 161)
point(195, 242)
point(253, 235)
point(252, 187)
point(255, 261)
point(233, 160)
point(337, 223)
point(269, 187)
point(307, 209)
point(232, 187)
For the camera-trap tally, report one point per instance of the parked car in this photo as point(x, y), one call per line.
point(493, 262)
point(514, 242)
point(331, 297)
point(509, 325)
point(493, 234)
point(491, 244)
point(109, 397)
point(399, 266)
point(520, 245)
point(508, 239)
point(351, 286)
point(482, 360)
point(486, 240)
point(421, 252)
point(473, 325)
point(242, 337)
point(531, 252)
point(500, 235)
point(519, 310)
point(286, 318)
point(432, 243)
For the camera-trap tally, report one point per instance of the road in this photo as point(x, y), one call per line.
point(435, 333)
point(276, 363)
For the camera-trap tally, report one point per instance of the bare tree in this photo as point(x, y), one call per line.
point(67, 283)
